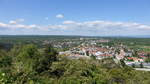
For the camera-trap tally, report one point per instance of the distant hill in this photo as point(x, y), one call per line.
point(77, 36)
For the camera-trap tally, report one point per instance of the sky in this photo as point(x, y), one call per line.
point(75, 17)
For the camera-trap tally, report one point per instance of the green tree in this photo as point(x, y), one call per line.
point(87, 53)
point(148, 58)
point(27, 59)
point(133, 65)
point(5, 59)
point(50, 53)
point(141, 65)
point(93, 57)
point(49, 56)
point(122, 63)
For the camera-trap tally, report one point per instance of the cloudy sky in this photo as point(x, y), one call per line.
point(75, 17)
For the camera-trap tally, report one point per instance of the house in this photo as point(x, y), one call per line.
point(135, 59)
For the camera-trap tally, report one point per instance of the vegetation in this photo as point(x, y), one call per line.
point(29, 65)
point(148, 58)
point(25, 60)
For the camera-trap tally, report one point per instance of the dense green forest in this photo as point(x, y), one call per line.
point(28, 64)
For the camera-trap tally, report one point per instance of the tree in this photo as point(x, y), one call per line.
point(122, 63)
point(50, 55)
point(135, 54)
point(117, 51)
point(148, 58)
point(141, 65)
point(87, 53)
point(133, 65)
point(5, 59)
point(93, 57)
point(27, 59)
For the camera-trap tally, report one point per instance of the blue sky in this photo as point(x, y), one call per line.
point(75, 17)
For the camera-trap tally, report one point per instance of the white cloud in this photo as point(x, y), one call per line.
point(18, 26)
point(107, 28)
point(69, 22)
point(58, 27)
point(3, 24)
point(33, 26)
point(15, 24)
point(16, 21)
point(25, 26)
point(83, 28)
point(12, 22)
point(60, 16)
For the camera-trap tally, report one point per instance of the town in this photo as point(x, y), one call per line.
point(90, 49)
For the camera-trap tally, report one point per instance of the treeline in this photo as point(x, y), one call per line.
point(29, 65)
